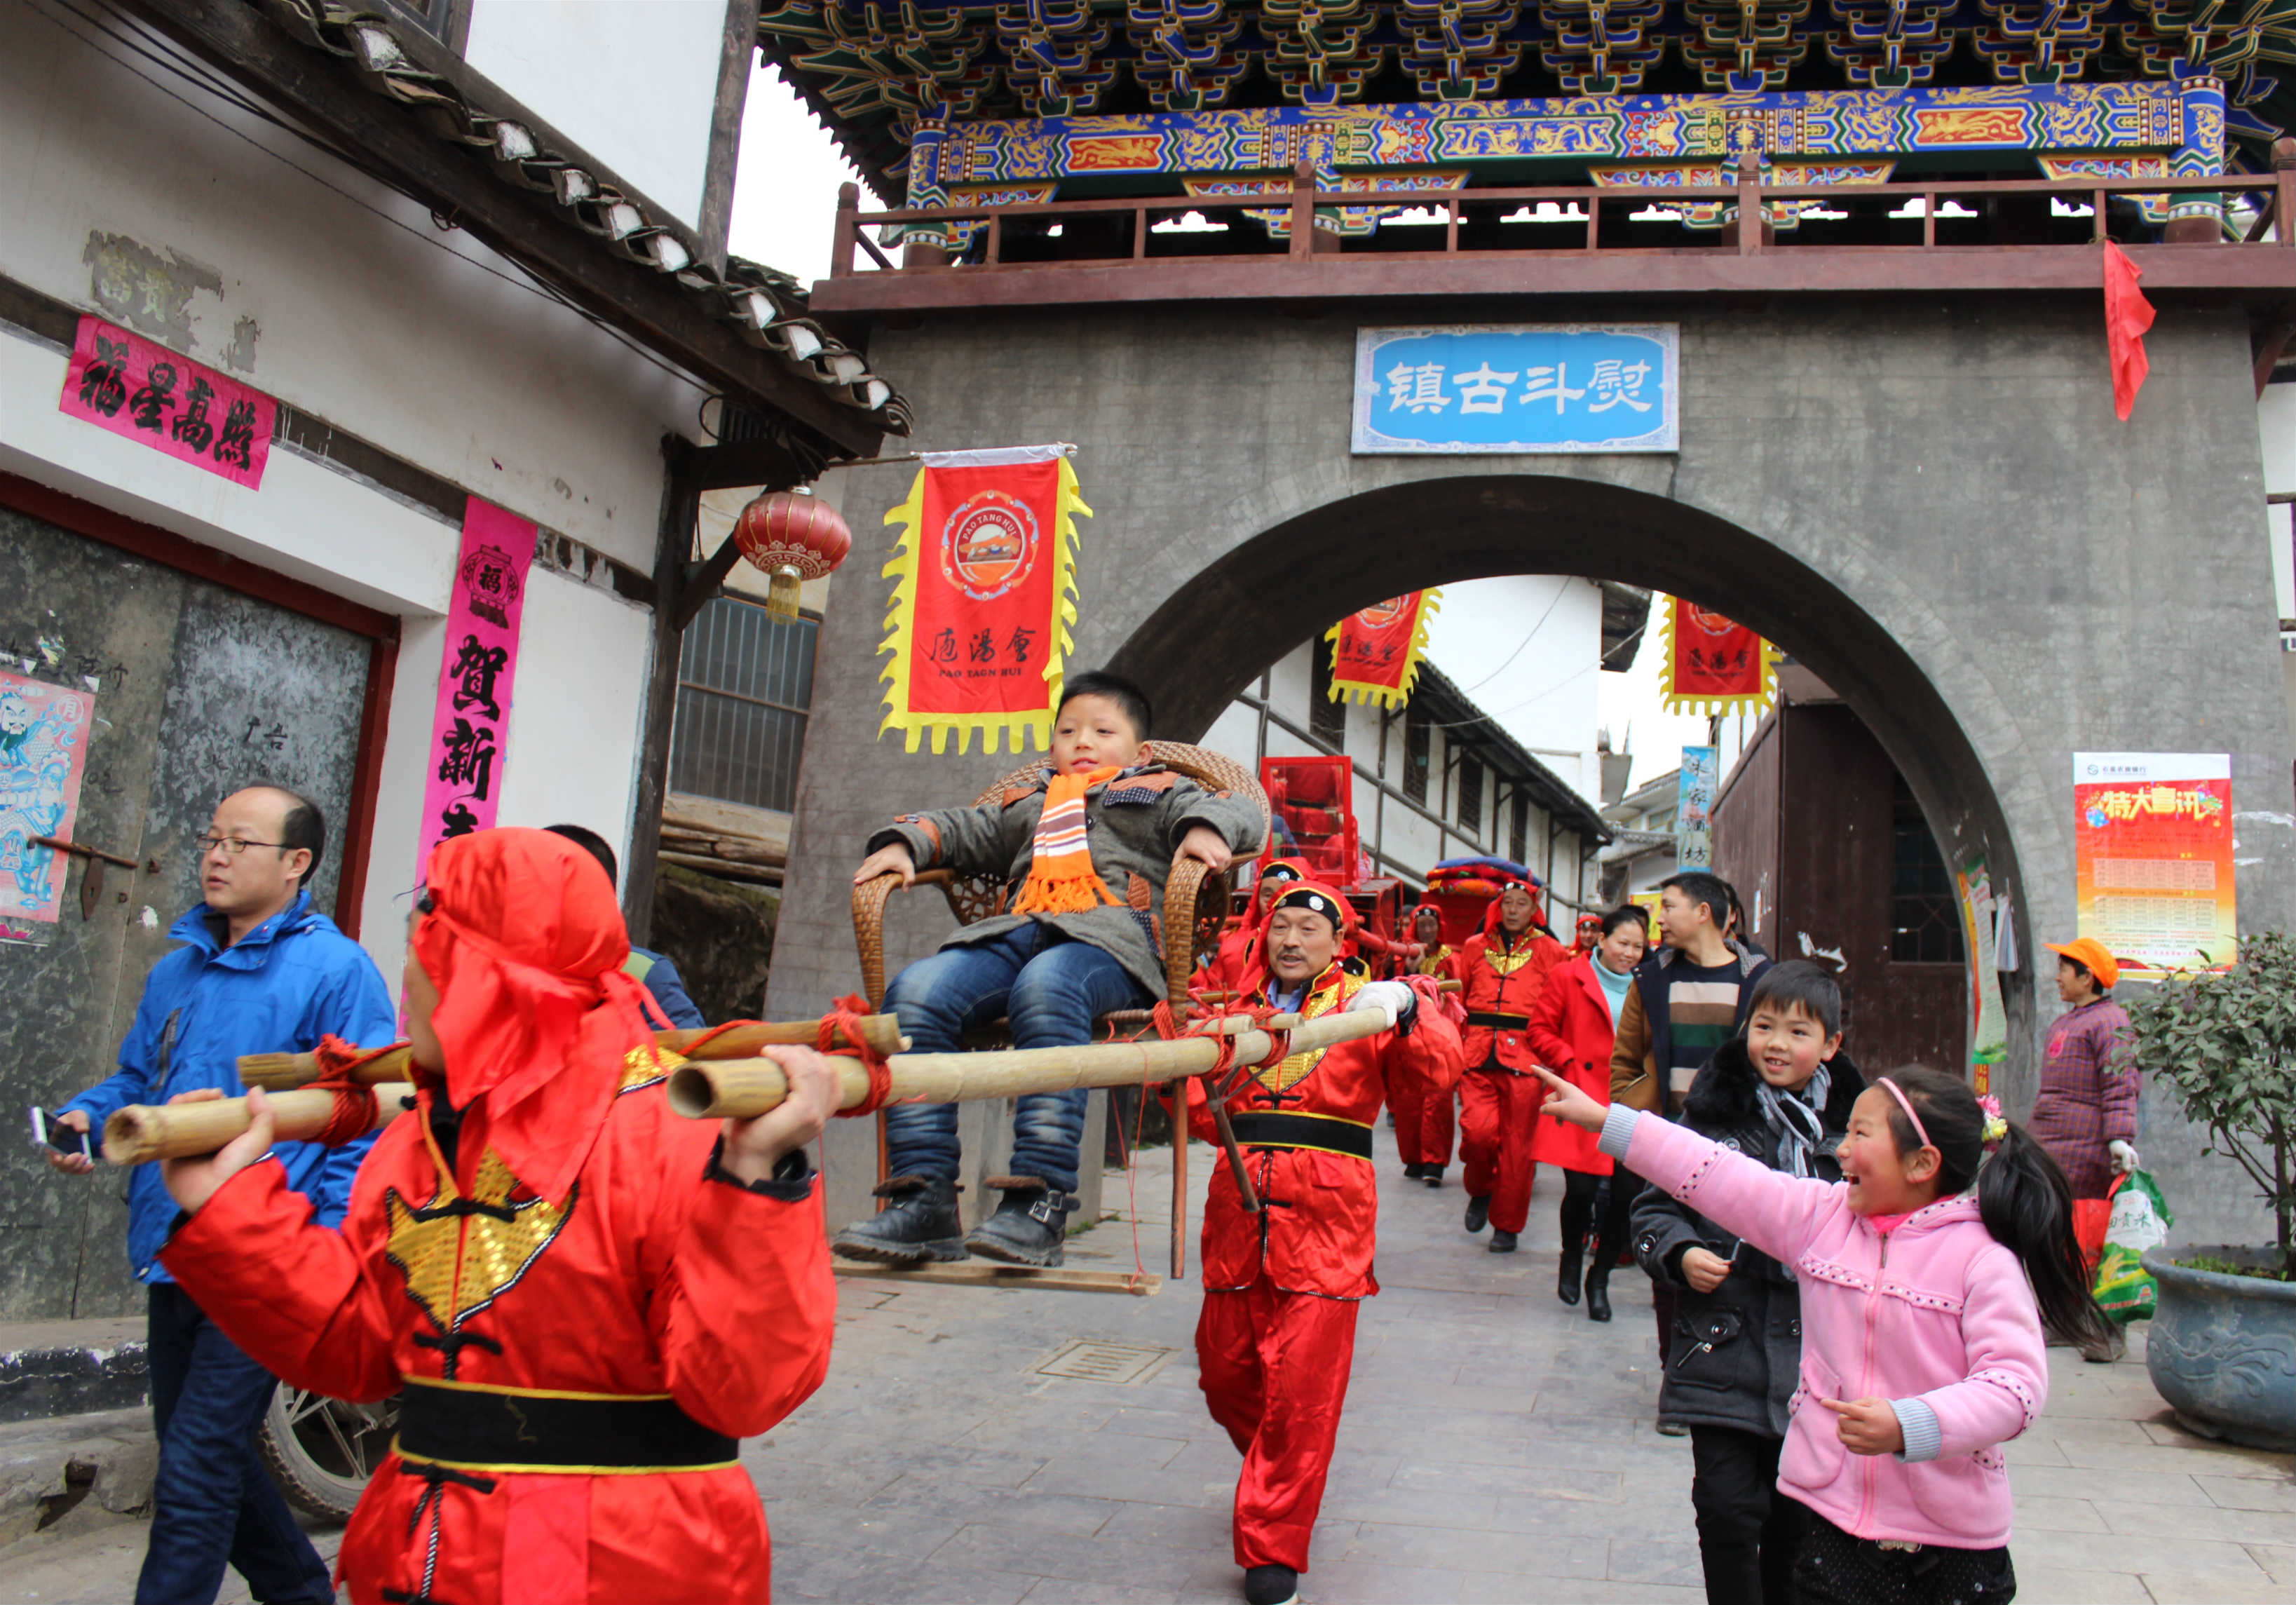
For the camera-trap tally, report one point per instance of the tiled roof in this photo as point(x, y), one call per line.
point(766, 306)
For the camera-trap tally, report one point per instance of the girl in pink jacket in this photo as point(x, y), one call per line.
point(1927, 1273)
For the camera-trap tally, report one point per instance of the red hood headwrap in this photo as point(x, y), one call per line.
point(1262, 975)
point(525, 945)
point(1300, 873)
point(1411, 922)
point(1538, 911)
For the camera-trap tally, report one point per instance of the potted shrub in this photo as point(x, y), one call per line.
point(2222, 1345)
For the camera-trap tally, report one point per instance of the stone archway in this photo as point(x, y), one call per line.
point(1931, 505)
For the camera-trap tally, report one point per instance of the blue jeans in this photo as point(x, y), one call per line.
point(1050, 989)
point(213, 1500)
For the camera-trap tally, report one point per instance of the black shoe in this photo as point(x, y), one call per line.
point(1666, 1428)
point(1502, 1242)
point(1433, 1175)
point(1413, 1172)
point(1566, 1283)
point(1598, 1294)
point(1028, 1226)
point(1270, 1585)
point(1479, 1214)
point(918, 1227)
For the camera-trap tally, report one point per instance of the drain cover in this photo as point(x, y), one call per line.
point(1122, 1363)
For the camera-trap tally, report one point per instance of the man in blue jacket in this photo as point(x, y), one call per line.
point(656, 972)
point(261, 971)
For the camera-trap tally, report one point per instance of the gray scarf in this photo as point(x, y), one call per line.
point(1794, 1117)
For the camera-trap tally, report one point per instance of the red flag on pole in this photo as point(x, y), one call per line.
point(2127, 315)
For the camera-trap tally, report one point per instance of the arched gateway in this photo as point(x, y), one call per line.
point(1931, 504)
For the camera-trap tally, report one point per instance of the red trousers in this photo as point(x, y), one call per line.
point(1274, 1367)
point(1496, 1108)
point(1422, 1119)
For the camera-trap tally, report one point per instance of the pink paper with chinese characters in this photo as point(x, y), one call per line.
point(470, 728)
point(124, 384)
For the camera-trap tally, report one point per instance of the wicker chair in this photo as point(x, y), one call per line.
point(1196, 901)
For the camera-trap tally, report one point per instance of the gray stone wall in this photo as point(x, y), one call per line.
point(1931, 504)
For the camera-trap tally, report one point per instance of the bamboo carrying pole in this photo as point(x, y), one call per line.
point(271, 1071)
point(143, 1131)
point(740, 1089)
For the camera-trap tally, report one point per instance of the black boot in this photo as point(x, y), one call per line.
point(1270, 1585)
point(919, 1226)
point(1566, 1284)
point(1598, 1291)
point(1479, 1213)
point(1413, 1170)
point(1433, 1175)
point(1502, 1242)
point(1028, 1226)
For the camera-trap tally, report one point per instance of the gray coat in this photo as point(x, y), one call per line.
point(1133, 823)
point(1736, 1351)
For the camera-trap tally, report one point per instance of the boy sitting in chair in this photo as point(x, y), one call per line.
point(1089, 843)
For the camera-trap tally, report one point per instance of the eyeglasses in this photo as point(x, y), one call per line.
point(233, 846)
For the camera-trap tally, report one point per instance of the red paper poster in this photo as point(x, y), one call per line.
point(1711, 664)
point(123, 382)
point(983, 596)
point(1376, 652)
point(464, 774)
point(2153, 849)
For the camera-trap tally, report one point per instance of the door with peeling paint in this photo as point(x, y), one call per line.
point(196, 690)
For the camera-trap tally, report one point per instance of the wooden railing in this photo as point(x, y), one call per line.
point(2274, 226)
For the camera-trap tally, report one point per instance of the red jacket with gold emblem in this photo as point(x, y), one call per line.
point(1500, 979)
point(1313, 1114)
point(652, 1280)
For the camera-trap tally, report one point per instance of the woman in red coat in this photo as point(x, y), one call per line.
point(1572, 1026)
point(582, 1300)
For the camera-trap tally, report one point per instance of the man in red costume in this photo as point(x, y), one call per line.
point(1276, 1335)
point(583, 1300)
point(1501, 968)
point(1236, 967)
point(1424, 1121)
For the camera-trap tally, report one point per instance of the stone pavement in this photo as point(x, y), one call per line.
point(1498, 1447)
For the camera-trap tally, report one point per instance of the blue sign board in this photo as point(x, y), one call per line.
point(1518, 388)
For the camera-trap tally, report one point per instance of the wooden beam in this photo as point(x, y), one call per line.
point(2272, 344)
point(392, 142)
point(681, 506)
point(2198, 271)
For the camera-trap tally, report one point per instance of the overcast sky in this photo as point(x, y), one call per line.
point(784, 202)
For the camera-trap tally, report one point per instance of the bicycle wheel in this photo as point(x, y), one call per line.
point(322, 1451)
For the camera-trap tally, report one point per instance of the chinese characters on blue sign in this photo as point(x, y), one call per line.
point(1518, 388)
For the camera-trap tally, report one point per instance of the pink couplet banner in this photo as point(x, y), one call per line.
point(462, 776)
point(123, 382)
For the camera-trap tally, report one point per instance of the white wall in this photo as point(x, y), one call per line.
point(633, 82)
point(361, 313)
point(2275, 420)
point(1528, 648)
point(421, 340)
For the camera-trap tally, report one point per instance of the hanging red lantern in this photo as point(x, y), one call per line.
point(792, 537)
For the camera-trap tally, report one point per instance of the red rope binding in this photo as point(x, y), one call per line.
point(356, 1108)
point(840, 1033)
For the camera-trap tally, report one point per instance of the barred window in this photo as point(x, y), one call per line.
point(1417, 753)
point(1326, 718)
point(1471, 794)
point(744, 692)
point(1519, 835)
point(1924, 911)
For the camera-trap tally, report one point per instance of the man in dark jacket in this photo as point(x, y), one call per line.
point(261, 971)
point(1782, 1094)
point(656, 972)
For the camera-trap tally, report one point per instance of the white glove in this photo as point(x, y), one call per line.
point(2124, 1157)
point(1393, 999)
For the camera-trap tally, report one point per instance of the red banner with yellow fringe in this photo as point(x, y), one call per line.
point(1376, 652)
point(983, 596)
point(1712, 664)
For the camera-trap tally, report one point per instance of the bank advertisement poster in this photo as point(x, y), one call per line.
point(2152, 847)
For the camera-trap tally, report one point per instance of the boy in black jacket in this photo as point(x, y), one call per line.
point(1781, 1094)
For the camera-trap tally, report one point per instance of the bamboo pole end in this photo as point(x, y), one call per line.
point(692, 1092)
point(127, 1137)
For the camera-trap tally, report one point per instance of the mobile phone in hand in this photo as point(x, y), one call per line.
point(49, 1130)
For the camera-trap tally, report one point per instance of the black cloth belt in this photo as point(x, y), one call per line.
point(1497, 1021)
point(486, 1430)
point(1275, 1129)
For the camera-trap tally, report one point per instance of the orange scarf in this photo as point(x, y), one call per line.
point(1062, 879)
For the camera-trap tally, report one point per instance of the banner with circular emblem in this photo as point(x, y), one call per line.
point(1713, 664)
point(984, 593)
point(1376, 651)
